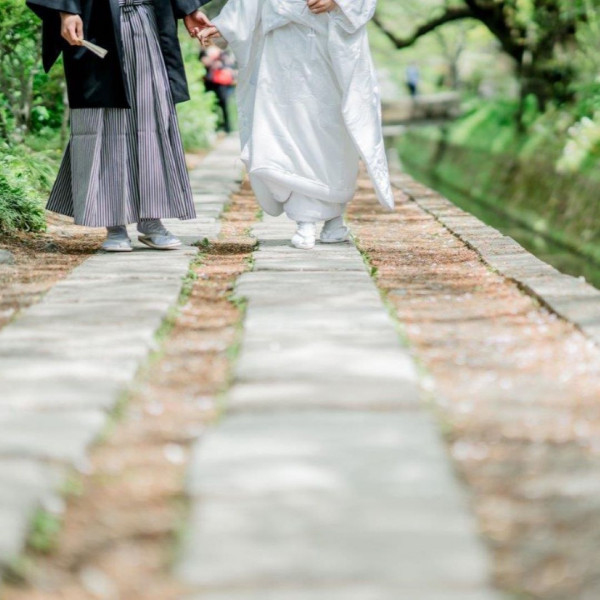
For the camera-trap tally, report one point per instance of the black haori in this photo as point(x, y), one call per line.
point(123, 165)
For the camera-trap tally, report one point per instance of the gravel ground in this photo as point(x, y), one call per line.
point(517, 393)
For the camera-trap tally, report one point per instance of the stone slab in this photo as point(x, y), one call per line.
point(60, 435)
point(372, 492)
point(346, 591)
point(301, 393)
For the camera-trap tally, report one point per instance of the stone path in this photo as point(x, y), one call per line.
point(327, 478)
point(66, 362)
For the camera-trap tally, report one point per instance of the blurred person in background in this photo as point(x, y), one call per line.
point(125, 161)
point(413, 78)
point(219, 78)
point(308, 106)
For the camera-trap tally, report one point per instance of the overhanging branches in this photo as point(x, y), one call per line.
point(448, 16)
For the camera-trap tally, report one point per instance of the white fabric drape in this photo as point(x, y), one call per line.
point(308, 100)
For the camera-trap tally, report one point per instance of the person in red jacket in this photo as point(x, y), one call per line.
point(219, 79)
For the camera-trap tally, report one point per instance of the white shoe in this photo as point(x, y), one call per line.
point(305, 236)
point(334, 231)
point(117, 240)
point(155, 235)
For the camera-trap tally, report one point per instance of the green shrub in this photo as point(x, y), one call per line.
point(29, 98)
point(23, 180)
point(197, 119)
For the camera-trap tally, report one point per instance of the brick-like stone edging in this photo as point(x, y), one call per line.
point(569, 297)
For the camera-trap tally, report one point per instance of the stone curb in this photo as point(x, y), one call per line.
point(569, 297)
point(66, 361)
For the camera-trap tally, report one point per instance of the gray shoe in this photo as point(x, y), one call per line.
point(154, 234)
point(334, 231)
point(117, 240)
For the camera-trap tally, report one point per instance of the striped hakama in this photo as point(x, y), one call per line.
point(124, 165)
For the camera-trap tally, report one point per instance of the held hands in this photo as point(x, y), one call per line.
point(71, 28)
point(321, 6)
point(196, 23)
point(206, 36)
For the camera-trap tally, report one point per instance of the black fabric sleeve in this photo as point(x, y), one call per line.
point(49, 11)
point(187, 7)
point(45, 8)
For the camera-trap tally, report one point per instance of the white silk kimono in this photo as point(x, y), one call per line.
point(308, 104)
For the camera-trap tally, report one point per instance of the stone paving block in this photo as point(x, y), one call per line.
point(103, 314)
point(133, 290)
point(31, 332)
point(120, 344)
point(211, 199)
point(55, 435)
point(322, 361)
point(321, 322)
point(59, 384)
point(322, 283)
point(272, 488)
point(60, 393)
point(370, 339)
point(289, 393)
point(345, 591)
point(344, 338)
point(315, 299)
point(309, 264)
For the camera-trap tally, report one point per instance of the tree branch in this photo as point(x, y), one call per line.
point(448, 16)
point(491, 14)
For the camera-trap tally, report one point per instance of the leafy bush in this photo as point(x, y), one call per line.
point(25, 181)
point(197, 119)
point(18, 209)
point(29, 99)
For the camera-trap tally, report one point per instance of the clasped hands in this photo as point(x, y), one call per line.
point(200, 27)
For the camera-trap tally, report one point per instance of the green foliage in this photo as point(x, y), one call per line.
point(545, 177)
point(29, 99)
point(25, 180)
point(197, 119)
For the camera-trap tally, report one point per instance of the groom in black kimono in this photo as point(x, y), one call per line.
point(125, 161)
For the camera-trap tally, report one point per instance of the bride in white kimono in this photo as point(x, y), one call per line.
point(308, 107)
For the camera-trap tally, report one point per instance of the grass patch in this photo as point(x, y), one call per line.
point(44, 532)
point(19, 208)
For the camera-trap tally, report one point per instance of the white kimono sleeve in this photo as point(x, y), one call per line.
point(354, 14)
point(237, 23)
